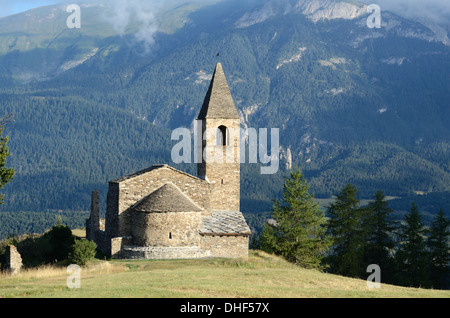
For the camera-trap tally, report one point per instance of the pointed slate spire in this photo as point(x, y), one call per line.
point(218, 102)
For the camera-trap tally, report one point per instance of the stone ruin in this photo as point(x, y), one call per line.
point(13, 260)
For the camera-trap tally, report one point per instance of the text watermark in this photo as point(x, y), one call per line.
point(374, 280)
point(374, 20)
point(188, 151)
point(74, 279)
point(74, 20)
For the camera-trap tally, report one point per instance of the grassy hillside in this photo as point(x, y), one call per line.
point(261, 276)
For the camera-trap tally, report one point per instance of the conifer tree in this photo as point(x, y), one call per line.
point(6, 174)
point(379, 235)
point(345, 228)
point(438, 244)
point(298, 232)
point(412, 256)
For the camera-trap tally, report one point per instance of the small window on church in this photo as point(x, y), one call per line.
point(170, 235)
point(222, 136)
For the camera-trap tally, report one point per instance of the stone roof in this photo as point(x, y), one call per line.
point(154, 167)
point(168, 198)
point(226, 223)
point(218, 102)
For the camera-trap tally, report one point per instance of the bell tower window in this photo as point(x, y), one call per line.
point(222, 136)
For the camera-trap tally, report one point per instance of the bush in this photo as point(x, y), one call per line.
point(82, 252)
point(60, 239)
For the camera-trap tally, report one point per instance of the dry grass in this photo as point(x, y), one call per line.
point(50, 271)
point(79, 233)
point(97, 268)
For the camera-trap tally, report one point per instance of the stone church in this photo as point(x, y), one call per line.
point(164, 213)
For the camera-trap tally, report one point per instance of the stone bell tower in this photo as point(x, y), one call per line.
point(220, 127)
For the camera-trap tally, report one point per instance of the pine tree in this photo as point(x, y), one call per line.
point(298, 232)
point(6, 174)
point(345, 228)
point(438, 244)
point(412, 257)
point(379, 235)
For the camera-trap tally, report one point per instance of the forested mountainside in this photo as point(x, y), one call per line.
point(353, 104)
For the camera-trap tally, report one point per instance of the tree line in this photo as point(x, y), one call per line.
point(346, 238)
point(6, 173)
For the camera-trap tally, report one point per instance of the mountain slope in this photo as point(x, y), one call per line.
point(353, 104)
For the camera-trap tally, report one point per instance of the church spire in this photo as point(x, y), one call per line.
point(220, 141)
point(218, 101)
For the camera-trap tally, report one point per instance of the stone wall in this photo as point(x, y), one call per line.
point(166, 229)
point(93, 223)
point(101, 241)
point(116, 246)
point(226, 246)
point(133, 252)
point(221, 164)
point(125, 192)
point(112, 210)
point(13, 260)
point(95, 227)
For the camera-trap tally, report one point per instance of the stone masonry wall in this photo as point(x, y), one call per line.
point(226, 246)
point(102, 243)
point(222, 164)
point(116, 245)
point(93, 223)
point(167, 229)
point(112, 210)
point(130, 191)
point(164, 252)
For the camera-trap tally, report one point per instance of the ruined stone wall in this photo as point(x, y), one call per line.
point(13, 260)
point(93, 223)
point(221, 164)
point(102, 224)
point(100, 240)
point(95, 227)
point(166, 229)
point(226, 246)
point(126, 193)
point(112, 210)
point(116, 247)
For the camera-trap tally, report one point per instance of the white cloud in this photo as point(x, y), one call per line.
point(139, 12)
point(142, 14)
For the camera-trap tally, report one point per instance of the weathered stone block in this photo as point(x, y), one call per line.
point(13, 260)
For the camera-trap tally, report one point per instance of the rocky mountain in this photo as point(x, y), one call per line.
point(354, 104)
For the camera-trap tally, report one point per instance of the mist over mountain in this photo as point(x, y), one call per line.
point(354, 104)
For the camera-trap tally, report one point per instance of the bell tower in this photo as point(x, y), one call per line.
point(220, 140)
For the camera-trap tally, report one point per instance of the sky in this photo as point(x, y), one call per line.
point(8, 7)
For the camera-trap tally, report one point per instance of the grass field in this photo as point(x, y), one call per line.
point(261, 276)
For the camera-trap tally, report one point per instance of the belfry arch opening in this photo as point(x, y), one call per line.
point(222, 136)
